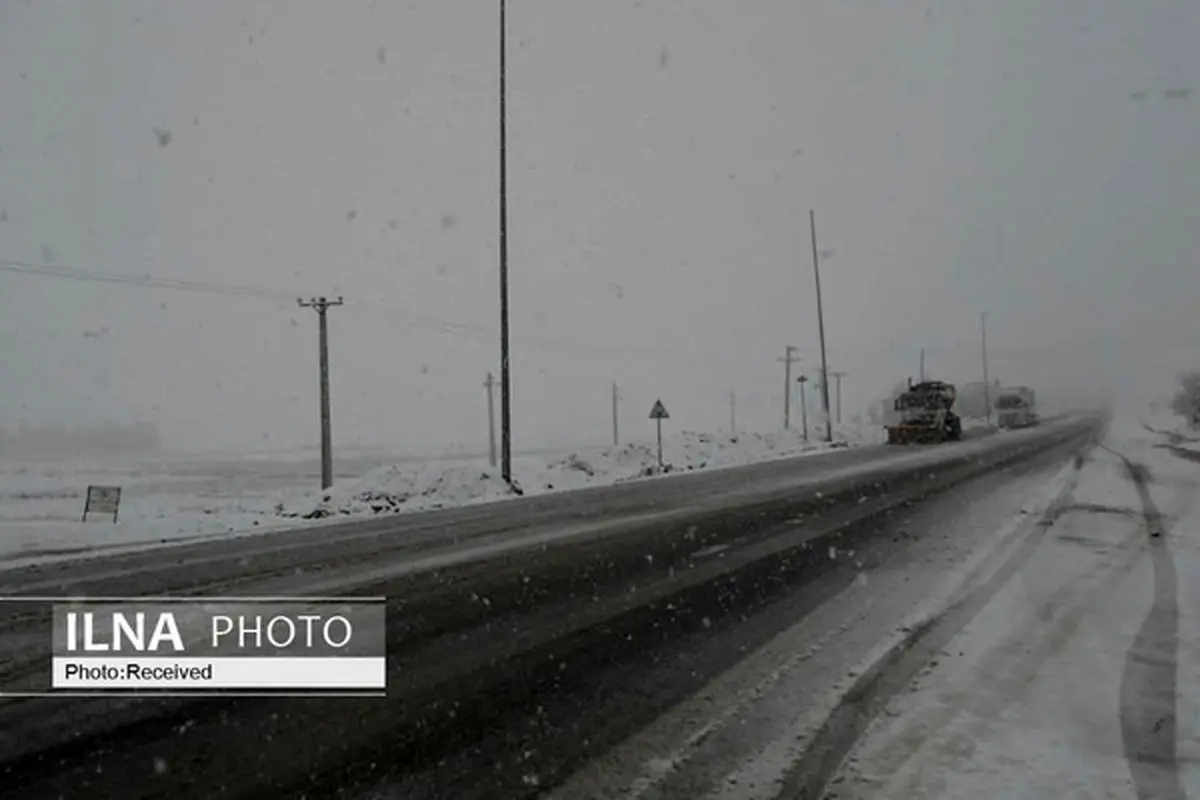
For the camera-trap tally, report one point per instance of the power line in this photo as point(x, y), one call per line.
point(488, 333)
point(146, 281)
point(402, 316)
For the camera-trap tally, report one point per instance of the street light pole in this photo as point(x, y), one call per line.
point(505, 377)
point(812, 223)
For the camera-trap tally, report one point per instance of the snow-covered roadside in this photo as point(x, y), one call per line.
point(41, 507)
point(166, 499)
point(1081, 677)
point(421, 487)
point(175, 500)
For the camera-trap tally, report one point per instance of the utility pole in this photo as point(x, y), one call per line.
point(489, 383)
point(802, 380)
point(505, 377)
point(616, 438)
point(322, 305)
point(922, 365)
point(812, 223)
point(987, 388)
point(788, 359)
point(732, 413)
point(837, 377)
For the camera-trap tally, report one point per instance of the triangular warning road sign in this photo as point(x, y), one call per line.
point(659, 411)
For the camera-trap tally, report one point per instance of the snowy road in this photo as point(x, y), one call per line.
point(1081, 677)
point(611, 642)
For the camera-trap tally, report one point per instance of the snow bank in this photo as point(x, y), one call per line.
point(421, 487)
point(179, 499)
point(976, 424)
point(1158, 418)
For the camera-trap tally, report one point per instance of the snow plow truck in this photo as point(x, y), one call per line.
point(1016, 408)
point(925, 415)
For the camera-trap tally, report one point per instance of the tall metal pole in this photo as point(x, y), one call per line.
point(732, 413)
point(987, 388)
point(616, 438)
point(922, 365)
point(491, 381)
point(322, 306)
point(505, 377)
point(812, 223)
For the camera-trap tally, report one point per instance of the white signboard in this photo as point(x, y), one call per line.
point(102, 500)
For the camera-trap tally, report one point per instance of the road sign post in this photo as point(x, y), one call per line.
point(658, 413)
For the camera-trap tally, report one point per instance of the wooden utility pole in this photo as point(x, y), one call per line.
point(788, 359)
point(802, 380)
point(322, 305)
point(837, 377)
point(987, 388)
point(616, 431)
point(489, 383)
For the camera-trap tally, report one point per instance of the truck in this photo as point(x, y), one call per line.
point(925, 414)
point(1016, 407)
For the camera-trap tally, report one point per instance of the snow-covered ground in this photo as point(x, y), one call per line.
point(1081, 676)
point(41, 504)
point(177, 499)
point(409, 487)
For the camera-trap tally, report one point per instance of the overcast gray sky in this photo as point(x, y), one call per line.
point(1035, 160)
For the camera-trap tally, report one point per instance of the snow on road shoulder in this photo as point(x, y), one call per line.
point(1057, 687)
point(175, 499)
point(421, 487)
point(41, 508)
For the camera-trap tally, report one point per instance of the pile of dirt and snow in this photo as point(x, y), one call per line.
point(402, 488)
point(422, 487)
point(1169, 424)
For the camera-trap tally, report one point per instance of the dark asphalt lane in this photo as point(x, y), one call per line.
point(557, 616)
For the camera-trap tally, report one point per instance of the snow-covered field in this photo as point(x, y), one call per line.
point(173, 500)
point(1081, 676)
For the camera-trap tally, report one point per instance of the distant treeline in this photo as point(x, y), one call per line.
point(58, 440)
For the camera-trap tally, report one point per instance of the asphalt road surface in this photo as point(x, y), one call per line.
point(554, 643)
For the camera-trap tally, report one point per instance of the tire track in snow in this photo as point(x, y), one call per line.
point(1149, 726)
point(868, 696)
point(1013, 664)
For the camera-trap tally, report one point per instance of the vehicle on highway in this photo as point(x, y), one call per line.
point(926, 415)
point(1016, 408)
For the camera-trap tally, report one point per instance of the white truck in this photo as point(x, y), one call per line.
point(1016, 407)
